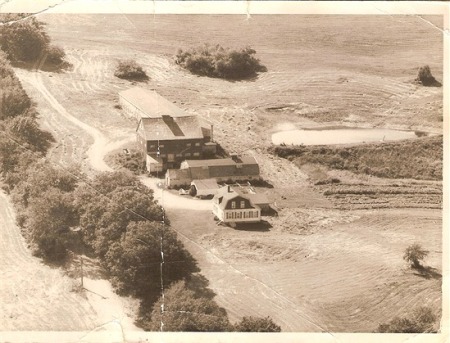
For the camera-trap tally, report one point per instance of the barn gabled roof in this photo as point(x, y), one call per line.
point(150, 103)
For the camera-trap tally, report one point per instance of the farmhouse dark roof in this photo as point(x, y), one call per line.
point(255, 198)
point(172, 128)
point(227, 193)
point(150, 103)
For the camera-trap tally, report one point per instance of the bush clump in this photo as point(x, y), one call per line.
point(414, 254)
point(422, 320)
point(216, 61)
point(130, 70)
point(26, 43)
point(131, 159)
point(425, 77)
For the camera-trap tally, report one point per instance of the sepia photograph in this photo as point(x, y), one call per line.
point(175, 168)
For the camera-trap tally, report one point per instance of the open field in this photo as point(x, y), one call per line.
point(318, 266)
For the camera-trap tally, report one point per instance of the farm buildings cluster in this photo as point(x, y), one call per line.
point(182, 145)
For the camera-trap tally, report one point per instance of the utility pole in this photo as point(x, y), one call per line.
point(78, 229)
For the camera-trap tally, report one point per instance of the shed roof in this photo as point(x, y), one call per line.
point(205, 184)
point(170, 128)
point(151, 103)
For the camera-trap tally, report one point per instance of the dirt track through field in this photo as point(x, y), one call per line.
point(35, 296)
point(107, 310)
point(97, 149)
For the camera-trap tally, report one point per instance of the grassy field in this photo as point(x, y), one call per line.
point(332, 259)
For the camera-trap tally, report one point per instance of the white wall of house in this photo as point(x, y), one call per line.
point(237, 215)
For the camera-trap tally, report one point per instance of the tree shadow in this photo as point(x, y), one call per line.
point(199, 285)
point(45, 66)
point(427, 272)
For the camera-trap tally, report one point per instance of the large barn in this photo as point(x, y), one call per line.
point(140, 103)
point(166, 134)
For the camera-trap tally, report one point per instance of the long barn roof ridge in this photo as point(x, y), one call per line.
point(152, 104)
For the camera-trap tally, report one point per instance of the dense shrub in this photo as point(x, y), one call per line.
point(133, 161)
point(425, 77)
point(215, 61)
point(130, 70)
point(25, 42)
point(414, 254)
point(255, 324)
point(422, 320)
point(182, 310)
point(55, 55)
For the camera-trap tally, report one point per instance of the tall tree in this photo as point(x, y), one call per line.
point(24, 40)
point(181, 310)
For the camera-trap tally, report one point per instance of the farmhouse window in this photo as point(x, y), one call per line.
point(188, 144)
point(152, 146)
point(233, 204)
point(163, 155)
point(161, 145)
point(179, 155)
point(188, 154)
point(197, 144)
point(242, 203)
point(196, 154)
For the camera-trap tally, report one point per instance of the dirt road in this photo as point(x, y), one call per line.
point(107, 310)
point(101, 144)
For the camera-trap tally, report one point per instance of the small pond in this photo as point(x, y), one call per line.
point(341, 136)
